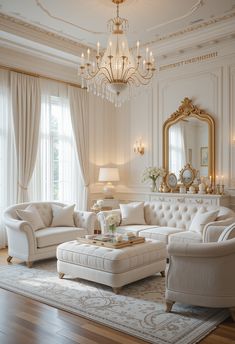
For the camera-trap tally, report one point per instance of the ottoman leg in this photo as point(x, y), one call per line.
point(162, 273)
point(169, 305)
point(117, 290)
point(61, 275)
point(9, 258)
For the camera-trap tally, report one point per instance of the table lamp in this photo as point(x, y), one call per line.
point(108, 175)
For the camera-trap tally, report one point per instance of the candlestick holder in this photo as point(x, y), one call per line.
point(222, 189)
point(209, 189)
point(218, 189)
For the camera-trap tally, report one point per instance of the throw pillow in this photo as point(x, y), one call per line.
point(132, 214)
point(62, 216)
point(201, 219)
point(228, 233)
point(31, 215)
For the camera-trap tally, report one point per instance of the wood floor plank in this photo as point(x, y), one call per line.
point(26, 321)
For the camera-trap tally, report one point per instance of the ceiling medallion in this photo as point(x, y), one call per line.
point(117, 73)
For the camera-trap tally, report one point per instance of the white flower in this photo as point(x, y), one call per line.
point(100, 203)
point(112, 220)
point(153, 173)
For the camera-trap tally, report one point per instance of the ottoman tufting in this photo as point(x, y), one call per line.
point(112, 267)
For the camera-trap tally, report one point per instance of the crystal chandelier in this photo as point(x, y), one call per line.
point(117, 73)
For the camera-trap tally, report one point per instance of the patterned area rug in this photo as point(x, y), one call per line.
point(138, 310)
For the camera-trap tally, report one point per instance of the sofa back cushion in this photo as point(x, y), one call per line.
point(132, 213)
point(171, 214)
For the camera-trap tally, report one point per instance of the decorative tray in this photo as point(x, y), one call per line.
point(97, 241)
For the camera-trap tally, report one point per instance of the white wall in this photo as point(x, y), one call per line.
point(211, 86)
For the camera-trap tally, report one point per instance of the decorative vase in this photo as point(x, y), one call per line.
point(154, 185)
point(112, 229)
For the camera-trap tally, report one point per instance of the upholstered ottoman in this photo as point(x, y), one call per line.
point(112, 267)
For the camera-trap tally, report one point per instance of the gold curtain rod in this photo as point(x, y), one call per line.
point(38, 75)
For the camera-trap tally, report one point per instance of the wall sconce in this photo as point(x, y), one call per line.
point(139, 147)
point(233, 140)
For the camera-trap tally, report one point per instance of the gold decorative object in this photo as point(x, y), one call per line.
point(187, 175)
point(185, 111)
point(117, 71)
point(139, 147)
point(171, 181)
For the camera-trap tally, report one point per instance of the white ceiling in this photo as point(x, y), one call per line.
point(84, 21)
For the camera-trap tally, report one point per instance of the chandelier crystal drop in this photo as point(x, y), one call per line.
point(117, 73)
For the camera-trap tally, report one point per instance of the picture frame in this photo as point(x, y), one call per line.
point(171, 181)
point(204, 156)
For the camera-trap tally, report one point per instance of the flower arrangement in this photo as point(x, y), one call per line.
point(152, 173)
point(112, 221)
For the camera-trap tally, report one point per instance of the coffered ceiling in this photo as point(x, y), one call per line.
point(41, 25)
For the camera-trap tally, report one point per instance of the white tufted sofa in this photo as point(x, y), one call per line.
point(29, 245)
point(170, 221)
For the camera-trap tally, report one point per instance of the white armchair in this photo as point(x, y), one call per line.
point(203, 274)
point(30, 245)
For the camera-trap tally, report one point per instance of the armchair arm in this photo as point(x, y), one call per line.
point(85, 219)
point(212, 230)
point(102, 215)
point(202, 250)
point(21, 237)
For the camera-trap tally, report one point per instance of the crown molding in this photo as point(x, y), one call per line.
point(34, 33)
point(192, 29)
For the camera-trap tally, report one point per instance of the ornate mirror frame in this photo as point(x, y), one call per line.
point(187, 109)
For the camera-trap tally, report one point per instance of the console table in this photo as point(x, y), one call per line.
point(200, 199)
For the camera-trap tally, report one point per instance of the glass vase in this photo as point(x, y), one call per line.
point(154, 185)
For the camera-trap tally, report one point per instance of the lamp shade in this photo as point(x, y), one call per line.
point(108, 174)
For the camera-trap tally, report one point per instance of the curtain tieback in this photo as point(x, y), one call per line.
point(22, 186)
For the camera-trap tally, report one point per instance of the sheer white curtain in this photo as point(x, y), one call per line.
point(26, 103)
point(177, 157)
point(57, 175)
point(79, 116)
point(8, 175)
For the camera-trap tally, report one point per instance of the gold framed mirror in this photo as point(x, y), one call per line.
point(189, 138)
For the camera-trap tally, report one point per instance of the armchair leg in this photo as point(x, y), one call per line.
point(232, 311)
point(61, 275)
point(162, 273)
point(29, 264)
point(9, 258)
point(169, 305)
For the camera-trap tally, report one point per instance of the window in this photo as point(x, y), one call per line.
point(57, 174)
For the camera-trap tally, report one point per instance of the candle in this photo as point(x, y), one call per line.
point(123, 48)
point(222, 180)
point(82, 57)
point(147, 53)
point(137, 48)
point(210, 180)
point(98, 48)
point(217, 180)
point(88, 55)
point(110, 47)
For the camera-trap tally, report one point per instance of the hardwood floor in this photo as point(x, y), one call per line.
point(25, 321)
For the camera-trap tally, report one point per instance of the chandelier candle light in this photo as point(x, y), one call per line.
point(113, 75)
